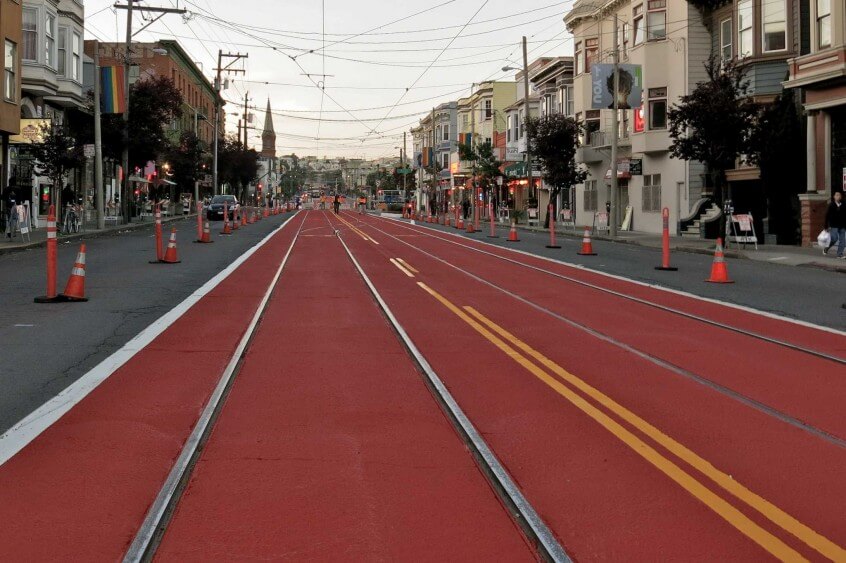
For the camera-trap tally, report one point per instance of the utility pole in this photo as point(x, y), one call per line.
point(217, 85)
point(246, 121)
point(129, 7)
point(402, 162)
point(612, 216)
point(528, 111)
point(473, 148)
point(98, 143)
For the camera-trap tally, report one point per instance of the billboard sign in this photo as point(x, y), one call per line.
point(602, 86)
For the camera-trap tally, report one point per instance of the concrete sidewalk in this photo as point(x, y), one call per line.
point(811, 257)
point(38, 237)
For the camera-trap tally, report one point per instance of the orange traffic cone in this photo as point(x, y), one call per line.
point(170, 254)
point(227, 230)
point(587, 246)
point(460, 224)
point(252, 218)
point(75, 289)
point(719, 272)
point(470, 227)
point(243, 217)
point(512, 234)
point(235, 221)
point(206, 238)
point(446, 220)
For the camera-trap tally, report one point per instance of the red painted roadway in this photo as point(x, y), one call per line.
point(705, 477)
point(319, 455)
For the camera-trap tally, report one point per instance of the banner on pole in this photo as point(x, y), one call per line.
point(113, 94)
point(602, 86)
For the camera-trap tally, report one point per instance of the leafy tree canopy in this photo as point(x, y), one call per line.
point(554, 140)
point(58, 154)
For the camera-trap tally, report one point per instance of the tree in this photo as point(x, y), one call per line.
point(714, 123)
point(554, 140)
point(236, 165)
point(776, 144)
point(485, 165)
point(186, 160)
point(154, 103)
point(293, 177)
point(55, 156)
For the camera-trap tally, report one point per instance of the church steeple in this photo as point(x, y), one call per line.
point(268, 136)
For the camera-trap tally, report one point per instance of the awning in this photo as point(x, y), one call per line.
point(168, 182)
point(138, 179)
point(620, 175)
point(516, 170)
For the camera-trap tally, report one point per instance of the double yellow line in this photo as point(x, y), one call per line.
point(540, 366)
point(356, 230)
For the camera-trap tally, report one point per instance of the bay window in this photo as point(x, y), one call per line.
point(626, 32)
point(570, 102)
point(657, 108)
point(578, 62)
point(76, 57)
point(30, 34)
point(62, 59)
point(656, 20)
point(744, 28)
point(823, 24)
point(50, 40)
point(725, 40)
point(774, 21)
point(638, 24)
point(591, 53)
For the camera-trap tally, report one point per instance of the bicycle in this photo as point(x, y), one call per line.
point(72, 221)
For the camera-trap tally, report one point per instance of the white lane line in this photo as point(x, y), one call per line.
point(401, 268)
point(21, 434)
point(637, 282)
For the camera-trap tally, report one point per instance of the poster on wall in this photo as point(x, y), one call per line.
point(602, 86)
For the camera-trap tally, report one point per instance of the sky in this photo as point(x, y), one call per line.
point(346, 78)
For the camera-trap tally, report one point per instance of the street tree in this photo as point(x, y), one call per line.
point(57, 154)
point(154, 103)
point(486, 167)
point(776, 144)
point(187, 160)
point(236, 165)
point(554, 140)
point(293, 177)
point(714, 123)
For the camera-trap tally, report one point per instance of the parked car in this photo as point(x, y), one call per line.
point(215, 209)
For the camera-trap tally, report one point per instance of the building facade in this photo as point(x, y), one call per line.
point(820, 72)
point(11, 31)
point(671, 57)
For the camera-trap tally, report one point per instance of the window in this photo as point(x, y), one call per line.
point(591, 53)
point(590, 195)
point(569, 106)
point(656, 20)
point(725, 39)
point(50, 40)
point(626, 31)
point(593, 137)
point(445, 133)
point(651, 193)
point(30, 35)
point(744, 28)
point(9, 79)
point(63, 51)
point(638, 24)
point(520, 125)
point(510, 121)
point(578, 61)
point(774, 19)
point(488, 109)
point(445, 161)
point(560, 101)
point(657, 108)
point(823, 23)
point(438, 132)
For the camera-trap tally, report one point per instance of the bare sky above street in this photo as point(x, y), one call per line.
point(387, 62)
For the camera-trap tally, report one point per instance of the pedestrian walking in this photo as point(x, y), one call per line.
point(835, 224)
point(336, 203)
point(465, 208)
point(11, 201)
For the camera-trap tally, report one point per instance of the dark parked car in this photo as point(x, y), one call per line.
point(215, 209)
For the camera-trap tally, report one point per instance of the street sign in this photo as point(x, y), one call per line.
point(88, 151)
point(404, 171)
point(636, 167)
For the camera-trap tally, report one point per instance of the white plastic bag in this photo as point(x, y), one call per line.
point(824, 239)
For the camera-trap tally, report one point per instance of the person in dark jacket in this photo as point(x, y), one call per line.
point(465, 207)
point(835, 224)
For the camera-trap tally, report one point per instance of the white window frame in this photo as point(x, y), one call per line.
point(773, 5)
point(445, 132)
point(76, 56)
point(591, 196)
point(62, 51)
point(651, 200)
point(655, 96)
point(50, 33)
point(508, 128)
point(34, 32)
point(578, 61)
point(659, 9)
point(626, 32)
point(10, 76)
point(520, 128)
point(445, 161)
point(570, 101)
point(745, 28)
point(726, 42)
point(638, 25)
point(488, 108)
point(823, 19)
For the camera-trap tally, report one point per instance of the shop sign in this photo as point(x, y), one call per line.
point(512, 153)
point(636, 167)
point(88, 151)
point(31, 131)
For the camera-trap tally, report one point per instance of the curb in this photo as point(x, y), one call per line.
point(92, 234)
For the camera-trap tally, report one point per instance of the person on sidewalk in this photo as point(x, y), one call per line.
point(337, 204)
point(11, 201)
point(835, 224)
point(465, 208)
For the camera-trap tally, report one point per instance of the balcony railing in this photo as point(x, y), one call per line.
point(602, 138)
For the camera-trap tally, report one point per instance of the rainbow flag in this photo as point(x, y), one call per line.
point(112, 93)
point(465, 139)
point(427, 157)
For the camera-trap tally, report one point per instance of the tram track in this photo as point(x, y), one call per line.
point(670, 366)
